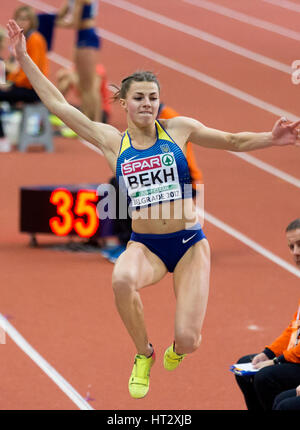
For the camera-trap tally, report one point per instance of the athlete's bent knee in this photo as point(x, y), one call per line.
point(187, 342)
point(123, 284)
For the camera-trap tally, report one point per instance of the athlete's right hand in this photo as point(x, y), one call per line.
point(17, 38)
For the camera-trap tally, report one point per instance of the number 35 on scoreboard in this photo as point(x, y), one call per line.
point(63, 224)
point(62, 211)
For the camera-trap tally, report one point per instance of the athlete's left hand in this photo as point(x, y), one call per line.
point(286, 132)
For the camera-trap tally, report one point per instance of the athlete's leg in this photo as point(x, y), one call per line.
point(191, 286)
point(66, 79)
point(137, 267)
point(86, 60)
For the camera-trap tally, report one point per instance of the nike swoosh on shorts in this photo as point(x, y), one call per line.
point(186, 240)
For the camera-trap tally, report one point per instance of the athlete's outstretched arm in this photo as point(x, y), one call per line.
point(283, 133)
point(101, 135)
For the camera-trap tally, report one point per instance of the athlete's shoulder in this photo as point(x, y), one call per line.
point(109, 129)
point(180, 124)
point(109, 136)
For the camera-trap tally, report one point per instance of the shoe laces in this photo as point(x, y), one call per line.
point(142, 366)
point(180, 357)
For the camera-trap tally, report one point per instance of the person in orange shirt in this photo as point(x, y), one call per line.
point(279, 363)
point(18, 88)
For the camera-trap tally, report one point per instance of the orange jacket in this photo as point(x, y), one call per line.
point(166, 113)
point(37, 50)
point(104, 91)
point(288, 343)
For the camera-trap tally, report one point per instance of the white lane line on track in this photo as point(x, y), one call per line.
point(251, 244)
point(40, 5)
point(267, 168)
point(44, 365)
point(246, 19)
point(194, 32)
point(58, 59)
point(195, 74)
point(181, 68)
point(285, 4)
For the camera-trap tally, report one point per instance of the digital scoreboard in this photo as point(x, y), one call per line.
point(63, 211)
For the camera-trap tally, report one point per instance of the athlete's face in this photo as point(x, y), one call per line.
point(142, 102)
point(293, 238)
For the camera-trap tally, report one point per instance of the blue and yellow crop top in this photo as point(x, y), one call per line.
point(154, 175)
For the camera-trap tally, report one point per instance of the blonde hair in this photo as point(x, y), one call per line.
point(32, 16)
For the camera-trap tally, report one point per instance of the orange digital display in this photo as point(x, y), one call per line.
point(80, 215)
point(85, 206)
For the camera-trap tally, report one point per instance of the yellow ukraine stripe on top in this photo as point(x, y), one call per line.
point(161, 133)
point(125, 143)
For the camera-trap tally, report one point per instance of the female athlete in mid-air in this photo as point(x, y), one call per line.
point(150, 159)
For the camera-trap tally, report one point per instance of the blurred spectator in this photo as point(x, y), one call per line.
point(17, 87)
point(2, 42)
point(68, 80)
point(279, 362)
point(81, 16)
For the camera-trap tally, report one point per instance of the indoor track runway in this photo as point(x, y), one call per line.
point(228, 64)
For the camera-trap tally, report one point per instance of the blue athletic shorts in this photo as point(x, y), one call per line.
point(172, 246)
point(88, 38)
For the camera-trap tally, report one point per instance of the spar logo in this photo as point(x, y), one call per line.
point(150, 171)
point(167, 160)
point(141, 165)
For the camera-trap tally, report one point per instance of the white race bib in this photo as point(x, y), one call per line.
point(152, 179)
